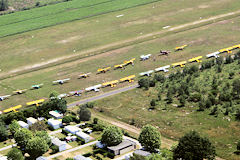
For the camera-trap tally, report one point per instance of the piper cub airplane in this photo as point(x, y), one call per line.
point(164, 52)
point(145, 57)
point(85, 75)
point(129, 79)
point(76, 93)
point(228, 50)
point(180, 48)
point(131, 61)
point(196, 59)
point(215, 54)
point(37, 86)
point(14, 109)
point(20, 91)
point(94, 88)
point(61, 81)
point(164, 69)
point(181, 64)
point(37, 102)
point(103, 70)
point(119, 66)
point(111, 83)
point(4, 97)
point(148, 73)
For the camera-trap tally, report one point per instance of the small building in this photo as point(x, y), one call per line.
point(62, 145)
point(142, 153)
point(100, 145)
point(31, 121)
point(56, 115)
point(72, 129)
point(125, 146)
point(83, 136)
point(54, 123)
point(23, 124)
point(80, 157)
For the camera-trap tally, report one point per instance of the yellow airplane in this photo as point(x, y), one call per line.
point(228, 50)
point(119, 66)
point(20, 91)
point(181, 64)
point(236, 46)
point(85, 75)
point(196, 59)
point(103, 70)
point(111, 83)
point(129, 79)
point(37, 102)
point(180, 48)
point(12, 109)
point(130, 61)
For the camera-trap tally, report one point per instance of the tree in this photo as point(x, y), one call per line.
point(3, 133)
point(150, 138)
point(95, 120)
point(112, 136)
point(67, 119)
point(44, 135)
point(38, 126)
point(192, 146)
point(144, 83)
point(84, 114)
point(15, 154)
point(137, 157)
point(22, 136)
point(3, 5)
point(13, 127)
point(182, 100)
point(236, 87)
point(36, 147)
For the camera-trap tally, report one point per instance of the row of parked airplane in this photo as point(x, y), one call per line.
point(195, 59)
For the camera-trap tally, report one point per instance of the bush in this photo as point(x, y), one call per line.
point(95, 120)
point(54, 149)
point(160, 78)
point(98, 127)
point(67, 119)
point(153, 102)
point(80, 141)
point(110, 155)
point(65, 132)
point(152, 83)
point(144, 83)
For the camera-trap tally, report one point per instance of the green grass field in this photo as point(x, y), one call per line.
point(60, 13)
point(174, 121)
point(60, 41)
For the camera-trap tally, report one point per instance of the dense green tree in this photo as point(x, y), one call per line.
point(44, 135)
point(15, 154)
point(150, 138)
point(144, 83)
point(236, 87)
point(112, 136)
point(3, 133)
point(193, 147)
point(84, 114)
point(3, 5)
point(22, 136)
point(13, 127)
point(67, 119)
point(36, 147)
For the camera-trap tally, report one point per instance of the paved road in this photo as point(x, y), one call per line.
point(7, 147)
point(103, 95)
point(71, 150)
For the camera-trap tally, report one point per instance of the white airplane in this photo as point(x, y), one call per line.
point(4, 97)
point(94, 88)
point(60, 96)
point(164, 68)
point(145, 57)
point(61, 81)
point(215, 54)
point(148, 73)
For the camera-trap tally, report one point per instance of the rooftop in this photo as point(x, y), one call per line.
point(142, 153)
point(57, 142)
point(125, 143)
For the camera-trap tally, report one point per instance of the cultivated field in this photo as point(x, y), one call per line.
point(103, 32)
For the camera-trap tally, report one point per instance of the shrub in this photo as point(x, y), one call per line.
point(95, 120)
point(67, 119)
point(153, 102)
point(54, 149)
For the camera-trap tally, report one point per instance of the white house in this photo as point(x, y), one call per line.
point(31, 121)
point(83, 136)
point(80, 157)
point(62, 145)
point(54, 123)
point(72, 129)
point(23, 124)
point(56, 115)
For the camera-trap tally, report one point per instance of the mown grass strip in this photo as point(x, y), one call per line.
point(43, 17)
